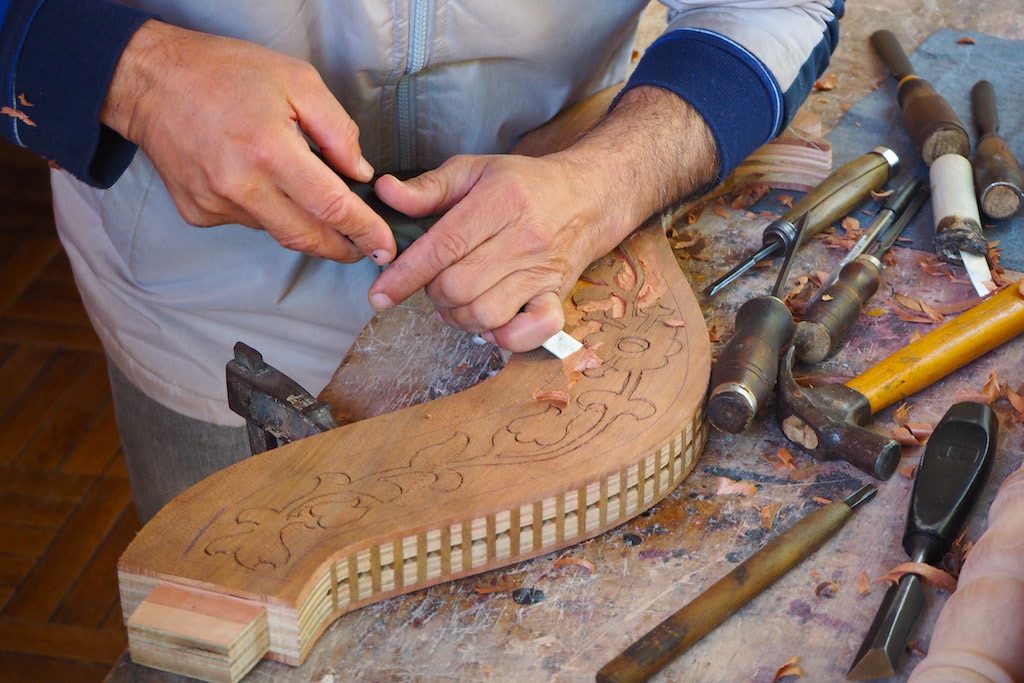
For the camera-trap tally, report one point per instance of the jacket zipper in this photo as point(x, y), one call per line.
point(417, 59)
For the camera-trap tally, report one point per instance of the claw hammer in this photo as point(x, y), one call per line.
point(829, 421)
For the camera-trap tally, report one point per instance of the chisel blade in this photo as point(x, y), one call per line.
point(889, 632)
point(562, 345)
point(977, 270)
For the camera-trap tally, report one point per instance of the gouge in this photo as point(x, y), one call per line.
point(682, 630)
point(836, 197)
point(829, 421)
point(933, 125)
point(997, 173)
point(952, 472)
point(745, 372)
point(838, 303)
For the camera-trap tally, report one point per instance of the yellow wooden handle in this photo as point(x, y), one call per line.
point(956, 343)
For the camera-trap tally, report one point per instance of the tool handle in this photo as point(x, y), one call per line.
point(955, 209)
point(948, 347)
point(747, 368)
point(888, 47)
point(843, 191)
point(983, 108)
point(827, 321)
point(952, 473)
point(669, 639)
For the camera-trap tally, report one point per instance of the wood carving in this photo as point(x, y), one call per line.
point(542, 455)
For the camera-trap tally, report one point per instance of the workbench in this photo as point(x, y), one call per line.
point(577, 615)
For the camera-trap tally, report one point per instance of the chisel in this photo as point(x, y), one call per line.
point(744, 374)
point(952, 472)
point(835, 198)
point(958, 235)
point(837, 305)
point(682, 630)
point(933, 125)
point(998, 177)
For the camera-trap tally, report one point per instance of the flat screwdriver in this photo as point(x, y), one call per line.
point(952, 472)
point(838, 303)
point(745, 372)
point(836, 197)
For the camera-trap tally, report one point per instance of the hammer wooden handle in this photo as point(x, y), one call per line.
point(949, 347)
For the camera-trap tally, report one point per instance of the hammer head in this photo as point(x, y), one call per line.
point(828, 422)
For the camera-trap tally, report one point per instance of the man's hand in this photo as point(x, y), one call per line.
point(518, 231)
point(221, 120)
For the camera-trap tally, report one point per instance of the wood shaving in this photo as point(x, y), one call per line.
point(23, 101)
point(768, 515)
point(786, 200)
point(829, 82)
point(826, 297)
point(713, 334)
point(863, 584)
point(720, 211)
point(920, 430)
point(676, 322)
point(790, 668)
point(908, 471)
point(786, 457)
point(727, 486)
point(822, 501)
point(695, 213)
point(826, 589)
point(18, 114)
point(993, 387)
point(559, 399)
point(584, 359)
point(934, 576)
point(915, 649)
point(904, 436)
point(749, 196)
point(902, 415)
point(966, 40)
point(881, 195)
point(575, 562)
point(850, 224)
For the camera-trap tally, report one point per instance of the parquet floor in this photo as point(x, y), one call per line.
point(65, 508)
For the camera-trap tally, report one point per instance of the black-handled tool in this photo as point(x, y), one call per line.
point(952, 472)
point(998, 177)
point(837, 305)
point(933, 125)
point(745, 372)
point(834, 198)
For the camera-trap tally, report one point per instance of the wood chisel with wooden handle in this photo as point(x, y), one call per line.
point(826, 204)
point(953, 470)
point(998, 177)
point(674, 636)
point(958, 235)
point(837, 305)
point(933, 125)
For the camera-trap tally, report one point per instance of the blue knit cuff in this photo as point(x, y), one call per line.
point(728, 86)
point(58, 58)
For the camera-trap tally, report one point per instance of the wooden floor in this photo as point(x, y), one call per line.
point(65, 507)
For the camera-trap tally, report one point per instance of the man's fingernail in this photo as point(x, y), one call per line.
point(489, 337)
point(380, 256)
point(365, 169)
point(381, 302)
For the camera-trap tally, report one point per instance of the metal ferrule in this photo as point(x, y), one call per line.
point(739, 390)
point(891, 158)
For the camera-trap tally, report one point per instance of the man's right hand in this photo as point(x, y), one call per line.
point(221, 118)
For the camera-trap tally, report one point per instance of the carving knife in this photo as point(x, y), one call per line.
point(407, 230)
point(674, 636)
point(952, 472)
point(836, 197)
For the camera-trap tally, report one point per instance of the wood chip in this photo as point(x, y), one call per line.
point(826, 589)
point(820, 500)
point(768, 514)
point(904, 436)
point(559, 399)
point(575, 562)
point(674, 323)
point(23, 101)
point(966, 40)
point(786, 200)
point(902, 415)
point(727, 486)
point(881, 195)
point(863, 584)
point(786, 457)
point(829, 82)
point(850, 224)
point(920, 430)
point(720, 211)
point(908, 470)
point(713, 334)
point(790, 668)
point(826, 297)
point(932, 575)
point(17, 114)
